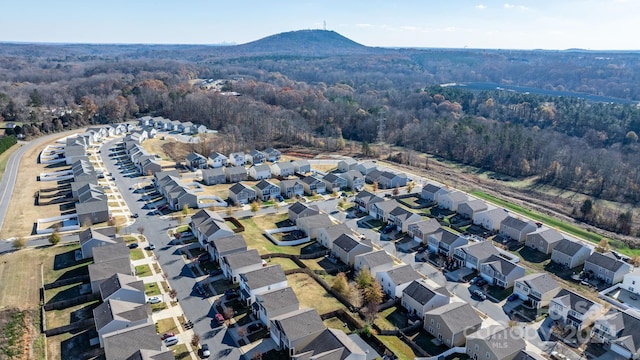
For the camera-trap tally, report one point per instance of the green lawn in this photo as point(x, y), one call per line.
point(554, 223)
point(254, 230)
point(391, 318)
point(151, 289)
point(143, 270)
point(335, 323)
point(285, 263)
point(136, 254)
point(398, 347)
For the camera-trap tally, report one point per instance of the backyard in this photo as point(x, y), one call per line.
point(311, 294)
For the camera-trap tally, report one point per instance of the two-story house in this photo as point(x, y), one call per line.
point(207, 225)
point(382, 210)
point(259, 172)
point(421, 230)
point(300, 209)
point(234, 264)
point(490, 219)
point(389, 180)
point(291, 188)
point(196, 161)
point(91, 238)
point(631, 282)
point(347, 246)
point(543, 239)
point(256, 157)
point(366, 167)
point(355, 180)
point(237, 159)
point(396, 279)
point(574, 310)
point(570, 253)
point(217, 160)
point(445, 242)
point(421, 296)
point(347, 164)
point(313, 185)
point(536, 289)
point(236, 174)
point(272, 154)
point(334, 182)
point(274, 303)
point(494, 343)
point(619, 332)
point(294, 330)
point(402, 218)
point(606, 267)
point(223, 246)
point(311, 224)
point(365, 199)
point(498, 271)
point(213, 176)
point(451, 323)
point(452, 200)
point(302, 166)
point(474, 254)
point(260, 281)
point(327, 235)
point(123, 287)
point(373, 262)
point(266, 190)
point(114, 315)
point(241, 194)
point(283, 169)
point(469, 208)
point(429, 192)
point(516, 229)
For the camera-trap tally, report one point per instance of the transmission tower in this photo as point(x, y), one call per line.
point(324, 25)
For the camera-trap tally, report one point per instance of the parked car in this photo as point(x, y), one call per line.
point(421, 249)
point(219, 318)
point(154, 300)
point(480, 294)
point(387, 229)
point(133, 246)
point(481, 282)
point(254, 327)
point(205, 351)
point(135, 216)
point(151, 246)
point(170, 341)
point(167, 335)
point(513, 297)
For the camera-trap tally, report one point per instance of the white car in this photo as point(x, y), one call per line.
point(154, 300)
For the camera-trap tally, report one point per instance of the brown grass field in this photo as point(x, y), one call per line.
point(313, 295)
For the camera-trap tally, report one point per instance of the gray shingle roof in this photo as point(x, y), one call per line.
point(403, 274)
point(542, 283)
point(228, 244)
point(376, 258)
point(237, 188)
point(568, 247)
point(457, 316)
point(110, 252)
point(628, 334)
point(103, 270)
point(500, 264)
point(420, 292)
point(458, 196)
point(265, 276)
point(502, 341)
point(367, 197)
point(427, 226)
point(315, 221)
point(124, 344)
point(120, 281)
point(346, 242)
point(332, 344)
point(263, 184)
point(120, 310)
point(299, 324)
point(573, 301)
point(431, 188)
point(299, 207)
point(606, 261)
point(445, 236)
point(480, 250)
point(475, 205)
point(387, 206)
point(549, 235)
point(241, 259)
point(278, 299)
point(235, 170)
point(516, 223)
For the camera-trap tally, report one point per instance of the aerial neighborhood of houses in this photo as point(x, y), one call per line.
point(459, 271)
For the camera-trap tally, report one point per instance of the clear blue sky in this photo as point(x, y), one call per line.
point(515, 24)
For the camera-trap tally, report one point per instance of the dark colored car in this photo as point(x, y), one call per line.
point(254, 327)
point(421, 249)
point(513, 297)
point(388, 229)
point(481, 282)
point(133, 246)
point(135, 216)
point(205, 351)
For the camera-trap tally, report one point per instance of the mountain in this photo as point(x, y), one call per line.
point(303, 42)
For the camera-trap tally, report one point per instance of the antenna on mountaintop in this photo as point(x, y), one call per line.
point(324, 25)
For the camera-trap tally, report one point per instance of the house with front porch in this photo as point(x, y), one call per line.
point(274, 303)
point(421, 296)
point(469, 208)
point(543, 239)
point(355, 180)
point(241, 194)
point(346, 247)
point(536, 290)
point(570, 253)
point(421, 230)
point(365, 199)
point(516, 229)
point(259, 172)
point(373, 262)
point(241, 262)
point(445, 242)
point(452, 200)
point(291, 188)
point(501, 272)
point(618, 330)
point(574, 310)
point(606, 267)
point(490, 219)
point(396, 279)
point(334, 182)
point(474, 254)
point(260, 281)
point(313, 185)
point(266, 190)
point(294, 330)
point(217, 160)
point(402, 218)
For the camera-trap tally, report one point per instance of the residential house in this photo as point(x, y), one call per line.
point(302, 166)
point(490, 219)
point(187, 127)
point(429, 192)
point(235, 174)
point(294, 330)
point(256, 157)
point(283, 169)
point(373, 261)
point(445, 242)
point(218, 160)
point(347, 164)
point(402, 218)
point(149, 166)
point(396, 279)
point(421, 230)
point(196, 161)
point(389, 180)
point(574, 310)
point(260, 281)
point(83, 171)
point(366, 167)
point(260, 172)
point(313, 185)
point(92, 237)
point(223, 246)
point(373, 176)
point(291, 188)
point(108, 260)
point(300, 209)
point(311, 224)
point(631, 282)
point(137, 342)
point(365, 199)
point(382, 210)
point(619, 332)
point(517, 229)
point(207, 225)
point(240, 193)
point(606, 267)
point(536, 290)
point(334, 182)
point(452, 200)
point(355, 180)
point(469, 208)
point(200, 129)
point(175, 125)
point(420, 297)
point(123, 287)
point(494, 343)
point(543, 240)
point(274, 303)
point(92, 206)
point(234, 264)
point(266, 190)
point(237, 159)
point(347, 246)
point(452, 322)
point(327, 235)
point(570, 253)
point(333, 344)
point(113, 315)
point(474, 254)
point(214, 176)
point(272, 154)
point(501, 272)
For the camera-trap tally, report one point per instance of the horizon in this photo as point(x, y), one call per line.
point(596, 25)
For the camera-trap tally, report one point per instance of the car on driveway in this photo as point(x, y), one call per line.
point(133, 246)
point(479, 294)
point(205, 351)
point(388, 229)
point(151, 246)
point(170, 341)
point(219, 319)
point(154, 300)
point(481, 282)
point(167, 335)
point(513, 297)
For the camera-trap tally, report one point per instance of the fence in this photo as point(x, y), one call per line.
point(71, 302)
point(63, 282)
point(78, 325)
